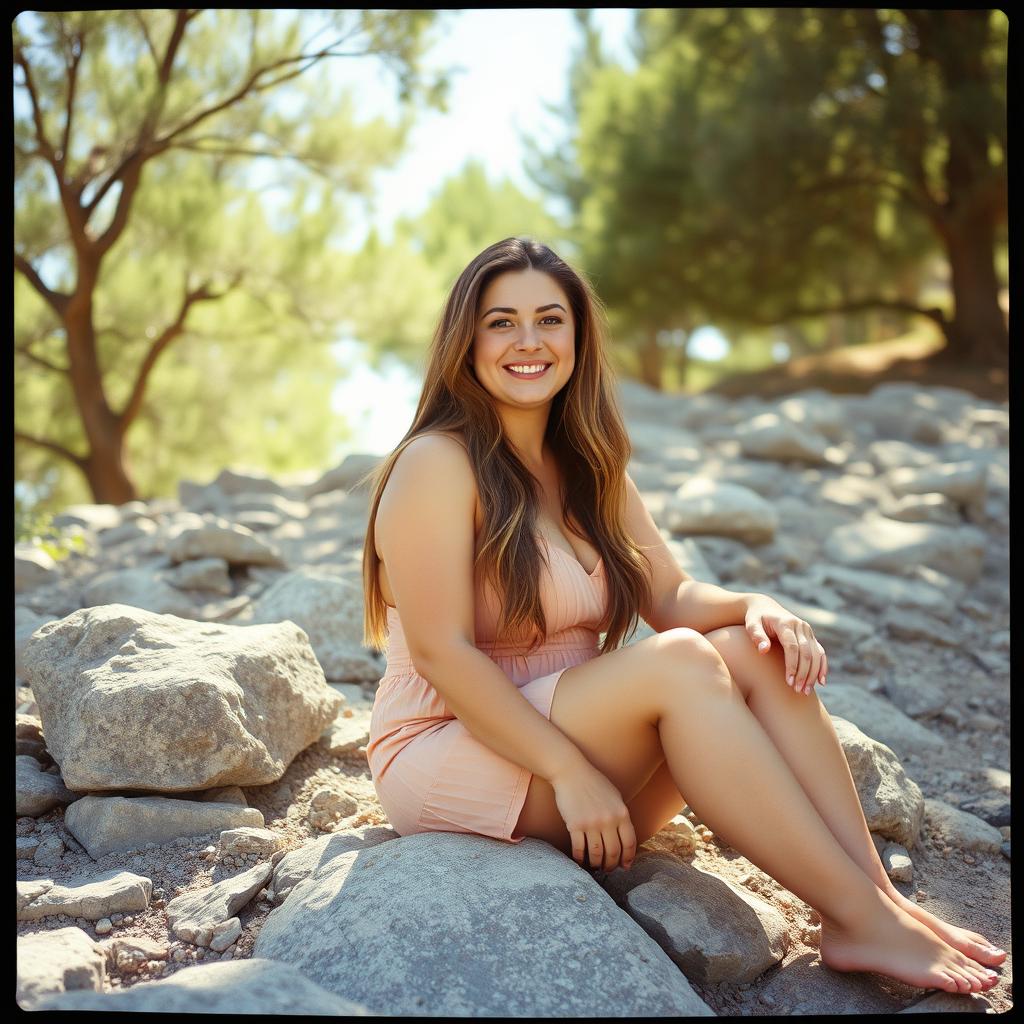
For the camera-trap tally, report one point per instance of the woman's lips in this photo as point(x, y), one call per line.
point(527, 376)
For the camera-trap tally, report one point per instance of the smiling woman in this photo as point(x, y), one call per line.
point(502, 714)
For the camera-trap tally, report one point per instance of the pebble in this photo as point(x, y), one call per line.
point(179, 955)
point(103, 926)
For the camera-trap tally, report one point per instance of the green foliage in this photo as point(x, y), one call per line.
point(248, 204)
point(33, 526)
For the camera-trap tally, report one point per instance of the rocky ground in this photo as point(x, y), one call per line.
point(805, 491)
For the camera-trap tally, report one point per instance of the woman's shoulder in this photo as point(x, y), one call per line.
point(454, 435)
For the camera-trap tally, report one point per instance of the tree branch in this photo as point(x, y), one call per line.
point(29, 354)
point(37, 114)
point(77, 50)
point(169, 333)
point(852, 306)
point(57, 301)
point(58, 449)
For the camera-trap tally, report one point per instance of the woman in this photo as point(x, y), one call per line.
point(512, 481)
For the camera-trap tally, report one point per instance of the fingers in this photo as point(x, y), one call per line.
point(627, 837)
point(603, 849)
point(577, 845)
point(805, 657)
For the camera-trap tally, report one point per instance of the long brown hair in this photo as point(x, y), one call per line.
point(585, 433)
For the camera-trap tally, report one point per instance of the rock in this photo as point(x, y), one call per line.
point(92, 898)
point(218, 538)
point(918, 697)
point(911, 625)
point(129, 952)
point(492, 921)
point(897, 863)
point(225, 934)
point(92, 517)
point(960, 482)
point(678, 835)
point(143, 587)
point(921, 508)
point(133, 529)
point(201, 574)
point(222, 795)
point(36, 791)
point(893, 804)
point(344, 476)
point(49, 852)
point(25, 847)
point(703, 505)
point(887, 545)
point(993, 807)
point(713, 930)
point(243, 841)
point(61, 960)
point(33, 567)
point(879, 718)
point(252, 986)
point(345, 735)
point(771, 436)
point(293, 866)
point(946, 1002)
point(112, 824)
point(330, 610)
point(26, 622)
point(194, 916)
point(881, 590)
point(961, 829)
point(221, 704)
point(327, 806)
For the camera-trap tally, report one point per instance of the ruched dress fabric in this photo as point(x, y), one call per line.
point(430, 773)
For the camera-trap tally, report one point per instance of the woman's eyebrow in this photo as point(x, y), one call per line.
point(509, 309)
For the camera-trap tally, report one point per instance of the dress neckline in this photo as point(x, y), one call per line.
point(573, 558)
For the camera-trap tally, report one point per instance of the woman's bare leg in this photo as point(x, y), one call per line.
point(675, 688)
point(801, 729)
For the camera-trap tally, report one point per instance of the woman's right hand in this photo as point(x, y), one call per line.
point(597, 818)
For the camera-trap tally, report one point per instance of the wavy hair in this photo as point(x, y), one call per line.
point(585, 432)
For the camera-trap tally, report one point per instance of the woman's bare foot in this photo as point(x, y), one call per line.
point(976, 946)
point(891, 942)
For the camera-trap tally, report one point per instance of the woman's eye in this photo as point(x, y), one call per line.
point(503, 320)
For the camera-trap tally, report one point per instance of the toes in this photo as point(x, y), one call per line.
point(962, 981)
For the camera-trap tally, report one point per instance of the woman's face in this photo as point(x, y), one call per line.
point(524, 317)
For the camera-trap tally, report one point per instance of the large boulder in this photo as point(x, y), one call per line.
point(490, 929)
point(133, 700)
point(880, 719)
point(330, 610)
point(253, 986)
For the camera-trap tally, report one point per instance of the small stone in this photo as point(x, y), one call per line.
point(128, 919)
point(103, 926)
point(178, 956)
point(116, 917)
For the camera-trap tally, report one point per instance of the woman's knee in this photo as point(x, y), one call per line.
point(681, 652)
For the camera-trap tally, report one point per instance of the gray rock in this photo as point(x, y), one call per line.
point(61, 960)
point(201, 574)
point(92, 517)
point(93, 898)
point(194, 916)
point(248, 839)
point(33, 567)
point(921, 508)
point(715, 931)
point(26, 622)
point(219, 538)
point(912, 625)
point(330, 610)
point(961, 829)
point(893, 803)
point(112, 824)
point(992, 807)
point(133, 529)
point(296, 865)
point(881, 590)
point(36, 791)
point(877, 542)
point(251, 986)
point(142, 587)
point(345, 735)
point(170, 705)
point(897, 863)
point(961, 482)
point(946, 1002)
point(879, 718)
point(771, 436)
point(918, 697)
point(495, 925)
point(703, 505)
point(344, 476)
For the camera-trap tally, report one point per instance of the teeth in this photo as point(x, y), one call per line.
point(527, 369)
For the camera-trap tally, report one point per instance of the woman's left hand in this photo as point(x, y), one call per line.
point(806, 663)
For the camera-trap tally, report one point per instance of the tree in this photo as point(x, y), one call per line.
point(761, 167)
point(136, 231)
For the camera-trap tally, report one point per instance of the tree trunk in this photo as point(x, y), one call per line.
point(104, 465)
point(978, 333)
point(651, 358)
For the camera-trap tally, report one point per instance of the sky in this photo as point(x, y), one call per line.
point(514, 62)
